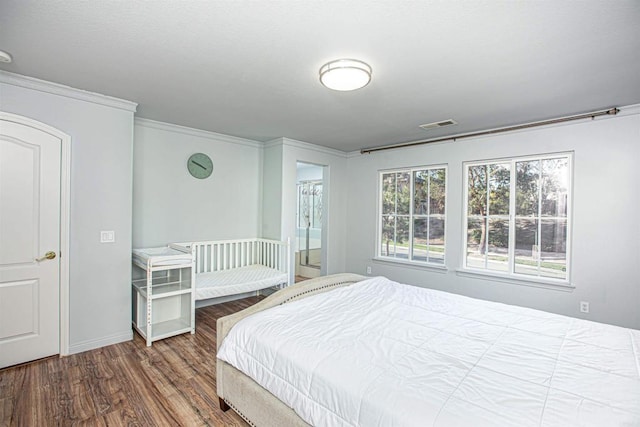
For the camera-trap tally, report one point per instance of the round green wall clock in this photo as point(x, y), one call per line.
point(200, 165)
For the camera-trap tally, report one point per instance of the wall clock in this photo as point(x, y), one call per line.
point(200, 165)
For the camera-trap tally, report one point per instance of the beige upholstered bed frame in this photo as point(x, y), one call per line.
point(241, 393)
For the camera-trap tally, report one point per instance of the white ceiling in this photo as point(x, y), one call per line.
point(250, 68)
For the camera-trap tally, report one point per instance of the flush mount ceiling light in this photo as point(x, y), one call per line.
point(345, 74)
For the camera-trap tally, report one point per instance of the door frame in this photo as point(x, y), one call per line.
point(65, 203)
point(324, 234)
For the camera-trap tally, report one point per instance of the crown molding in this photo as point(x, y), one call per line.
point(304, 145)
point(66, 91)
point(218, 137)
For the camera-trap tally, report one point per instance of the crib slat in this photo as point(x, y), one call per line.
point(238, 262)
point(199, 256)
point(245, 255)
point(270, 255)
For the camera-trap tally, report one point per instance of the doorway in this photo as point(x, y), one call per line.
point(309, 220)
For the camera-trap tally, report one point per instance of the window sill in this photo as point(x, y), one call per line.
point(557, 285)
point(411, 264)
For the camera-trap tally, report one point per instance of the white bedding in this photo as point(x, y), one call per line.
point(237, 280)
point(379, 353)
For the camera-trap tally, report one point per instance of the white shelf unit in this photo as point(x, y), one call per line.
point(163, 292)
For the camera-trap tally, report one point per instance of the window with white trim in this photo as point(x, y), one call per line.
point(517, 216)
point(412, 215)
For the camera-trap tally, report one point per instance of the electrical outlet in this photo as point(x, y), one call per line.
point(107, 236)
point(584, 307)
point(368, 269)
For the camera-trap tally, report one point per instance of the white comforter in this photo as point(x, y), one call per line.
point(379, 353)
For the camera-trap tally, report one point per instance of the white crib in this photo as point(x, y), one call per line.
point(230, 267)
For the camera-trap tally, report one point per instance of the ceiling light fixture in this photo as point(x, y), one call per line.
point(345, 74)
point(5, 57)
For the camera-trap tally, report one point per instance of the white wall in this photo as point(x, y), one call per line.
point(272, 191)
point(606, 225)
point(334, 198)
point(170, 205)
point(101, 160)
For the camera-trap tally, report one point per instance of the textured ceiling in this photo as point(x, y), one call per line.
point(250, 68)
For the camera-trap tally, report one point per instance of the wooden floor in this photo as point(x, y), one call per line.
point(172, 383)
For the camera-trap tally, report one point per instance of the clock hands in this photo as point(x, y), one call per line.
point(193, 161)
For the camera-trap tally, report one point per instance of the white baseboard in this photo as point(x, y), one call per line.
point(100, 342)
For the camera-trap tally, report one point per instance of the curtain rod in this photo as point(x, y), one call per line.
point(611, 111)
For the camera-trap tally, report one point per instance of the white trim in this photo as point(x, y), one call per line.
point(517, 280)
point(65, 204)
point(398, 262)
point(66, 91)
point(305, 145)
point(219, 137)
point(65, 227)
point(101, 342)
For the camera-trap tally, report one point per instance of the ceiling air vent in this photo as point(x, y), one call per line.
point(448, 122)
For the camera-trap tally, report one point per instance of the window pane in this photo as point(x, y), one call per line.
point(395, 236)
point(388, 193)
point(437, 191)
point(420, 239)
point(553, 248)
point(436, 240)
point(421, 196)
point(499, 181)
point(402, 237)
point(527, 179)
point(555, 179)
point(498, 251)
point(403, 195)
point(477, 190)
point(527, 251)
point(388, 236)
point(476, 242)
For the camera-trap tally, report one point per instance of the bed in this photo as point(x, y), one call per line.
point(231, 267)
point(346, 350)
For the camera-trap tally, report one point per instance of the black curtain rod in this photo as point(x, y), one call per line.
point(611, 111)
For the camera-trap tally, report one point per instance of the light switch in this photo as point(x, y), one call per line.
point(107, 236)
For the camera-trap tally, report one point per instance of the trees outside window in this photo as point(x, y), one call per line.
point(517, 216)
point(412, 214)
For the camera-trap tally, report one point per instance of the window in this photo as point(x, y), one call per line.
point(412, 215)
point(517, 216)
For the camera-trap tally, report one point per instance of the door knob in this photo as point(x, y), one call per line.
point(48, 255)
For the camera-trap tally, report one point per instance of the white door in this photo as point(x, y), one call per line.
point(30, 162)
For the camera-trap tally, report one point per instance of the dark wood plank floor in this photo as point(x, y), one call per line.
point(171, 383)
point(301, 279)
